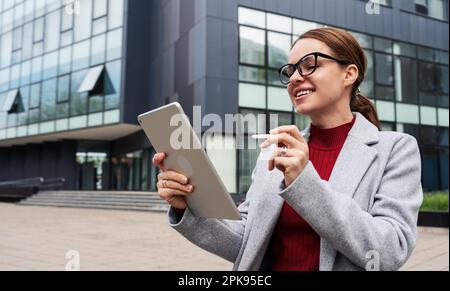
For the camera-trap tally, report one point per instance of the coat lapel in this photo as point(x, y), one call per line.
point(352, 163)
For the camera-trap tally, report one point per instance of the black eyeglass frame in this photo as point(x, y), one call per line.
point(316, 55)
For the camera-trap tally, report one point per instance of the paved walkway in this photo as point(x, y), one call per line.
point(38, 238)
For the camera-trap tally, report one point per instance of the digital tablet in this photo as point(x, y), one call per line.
point(169, 131)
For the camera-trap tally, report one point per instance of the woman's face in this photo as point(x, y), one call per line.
point(325, 88)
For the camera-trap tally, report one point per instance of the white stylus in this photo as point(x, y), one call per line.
point(264, 136)
point(261, 136)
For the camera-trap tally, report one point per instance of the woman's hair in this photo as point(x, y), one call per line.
point(346, 48)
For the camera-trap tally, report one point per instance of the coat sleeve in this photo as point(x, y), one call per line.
point(220, 237)
point(389, 227)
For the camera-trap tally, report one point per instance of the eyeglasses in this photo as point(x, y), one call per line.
point(306, 66)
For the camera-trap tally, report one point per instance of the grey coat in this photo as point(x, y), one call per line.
point(366, 214)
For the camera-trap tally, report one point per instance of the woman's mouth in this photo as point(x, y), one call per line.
point(300, 95)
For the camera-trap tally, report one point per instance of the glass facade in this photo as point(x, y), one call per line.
point(47, 49)
point(408, 84)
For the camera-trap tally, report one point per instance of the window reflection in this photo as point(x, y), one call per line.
point(406, 80)
point(80, 59)
point(279, 47)
point(252, 43)
point(83, 20)
point(114, 70)
point(48, 100)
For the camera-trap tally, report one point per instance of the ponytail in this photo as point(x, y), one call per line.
point(360, 103)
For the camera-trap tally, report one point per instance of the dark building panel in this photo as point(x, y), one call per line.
point(137, 70)
point(66, 164)
point(17, 164)
point(33, 157)
point(5, 174)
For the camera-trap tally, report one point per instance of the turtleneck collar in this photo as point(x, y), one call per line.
point(330, 138)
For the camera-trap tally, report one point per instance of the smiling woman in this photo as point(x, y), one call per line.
point(348, 194)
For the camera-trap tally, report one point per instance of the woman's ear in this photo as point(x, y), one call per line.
point(351, 75)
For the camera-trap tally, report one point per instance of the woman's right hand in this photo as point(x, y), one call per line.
point(172, 186)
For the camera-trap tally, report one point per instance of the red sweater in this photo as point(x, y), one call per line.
point(295, 245)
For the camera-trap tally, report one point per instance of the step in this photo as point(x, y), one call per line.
point(137, 200)
point(124, 203)
point(131, 193)
point(111, 207)
point(97, 194)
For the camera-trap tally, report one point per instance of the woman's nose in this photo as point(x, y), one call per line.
point(296, 77)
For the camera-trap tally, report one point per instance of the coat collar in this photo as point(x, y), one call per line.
point(363, 130)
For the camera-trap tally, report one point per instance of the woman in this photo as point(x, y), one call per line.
point(341, 195)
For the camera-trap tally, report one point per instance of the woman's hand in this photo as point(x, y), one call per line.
point(294, 158)
point(172, 186)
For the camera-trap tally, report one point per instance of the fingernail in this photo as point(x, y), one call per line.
point(185, 180)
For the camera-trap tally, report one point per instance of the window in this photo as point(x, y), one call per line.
point(25, 73)
point(252, 17)
point(63, 88)
point(17, 39)
point(383, 45)
point(52, 37)
point(48, 100)
point(407, 113)
point(27, 44)
point(99, 26)
point(404, 49)
point(36, 69)
point(406, 80)
point(66, 20)
point(385, 93)
point(113, 89)
point(78, 101)
point(38, 29)
point(35, 95)
point(253, 96)
point(50, 69)
point(98, 50)
point(278, 99)
point(279, 23)
point(83, 21)
point(364, 40)
point(5, 49)
point(433, 8)
point(80, 59)
point(367, 87)
point(383, 69)
point(67, 38)
point(65, 56)
point(252, 42)
point(100, 8)
point(301, 26)
point(115, 15)
point(279, 47)
point(93, 83)
point(114, 44)
point(252, 74)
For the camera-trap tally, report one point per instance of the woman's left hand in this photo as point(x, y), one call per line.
point(292, 160)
